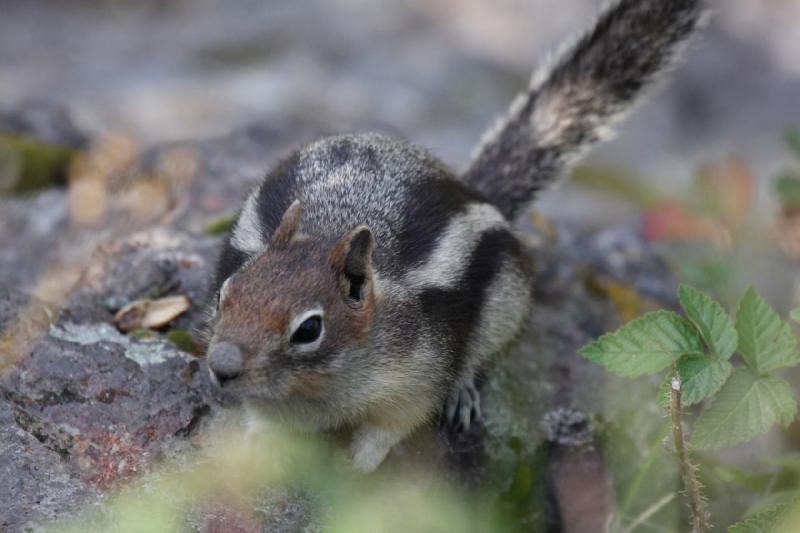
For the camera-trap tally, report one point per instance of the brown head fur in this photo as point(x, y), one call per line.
point(262, 303)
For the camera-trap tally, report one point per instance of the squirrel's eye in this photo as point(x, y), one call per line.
point(308, 331)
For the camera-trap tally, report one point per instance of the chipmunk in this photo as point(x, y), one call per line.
point(364, 283)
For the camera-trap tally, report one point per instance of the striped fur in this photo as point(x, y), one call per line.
point(415, 272)
point(576, 99)
point(447, 269)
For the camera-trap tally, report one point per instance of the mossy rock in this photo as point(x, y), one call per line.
point(27, 164)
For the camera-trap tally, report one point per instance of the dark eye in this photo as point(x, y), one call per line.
point(308, 331)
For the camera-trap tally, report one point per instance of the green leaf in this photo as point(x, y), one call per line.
point(701, 377)
point(645, 345)
point(765, 522)
point(710, 319)
point(794, 314)
point(768, 500)
point(765, 341)
point(746, 406)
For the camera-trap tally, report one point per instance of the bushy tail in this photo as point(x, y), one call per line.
point(573, 103)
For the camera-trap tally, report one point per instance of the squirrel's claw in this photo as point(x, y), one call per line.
point(463, 406)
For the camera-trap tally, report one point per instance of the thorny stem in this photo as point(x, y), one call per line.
point(697, 503)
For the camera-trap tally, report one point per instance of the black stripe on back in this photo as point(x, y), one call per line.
point(277, 193)
point(230, 260)
point(275, 197)
point(435, 202)
point(455, 312)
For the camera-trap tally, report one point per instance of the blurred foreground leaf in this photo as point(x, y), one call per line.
point(226, 478)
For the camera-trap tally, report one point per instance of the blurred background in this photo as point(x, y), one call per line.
point(435, 71)
point(179, 106)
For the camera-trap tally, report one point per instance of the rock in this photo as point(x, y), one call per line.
point(35, 482)
point(149, 264)
point(30, 231)
point(87, 407)
point(47, 122)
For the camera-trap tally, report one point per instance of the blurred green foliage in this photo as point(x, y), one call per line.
point(27, 164)
point(233, 469)
point(220, 226)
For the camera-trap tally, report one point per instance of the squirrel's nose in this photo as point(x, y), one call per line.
point(225, 362)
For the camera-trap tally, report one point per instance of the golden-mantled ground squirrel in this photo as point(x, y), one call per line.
point(365, 283)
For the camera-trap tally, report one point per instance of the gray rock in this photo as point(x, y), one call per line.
point(150, 264)
point(85, 407)
point(48, 122)
point(35, 481)
point(30, 231)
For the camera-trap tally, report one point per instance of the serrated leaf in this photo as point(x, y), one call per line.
point(765, 341)
point(794, 314)
point(746, 406)
point(772, 499)
point(708, 316)
point(764, 522)
point(701, 377)
point(644, 346)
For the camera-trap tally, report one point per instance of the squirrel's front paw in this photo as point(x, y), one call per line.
point(371, 445)
point(463, 406)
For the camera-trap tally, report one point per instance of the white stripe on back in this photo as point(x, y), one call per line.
point(450, 258)
point(248, 235)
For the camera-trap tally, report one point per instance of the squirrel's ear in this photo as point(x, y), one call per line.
point(352, 258)
point(289, 226)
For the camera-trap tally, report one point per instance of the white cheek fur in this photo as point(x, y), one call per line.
point(299, 319)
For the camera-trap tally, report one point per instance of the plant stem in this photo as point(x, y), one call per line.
point(647, 513)
point(697, 503)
